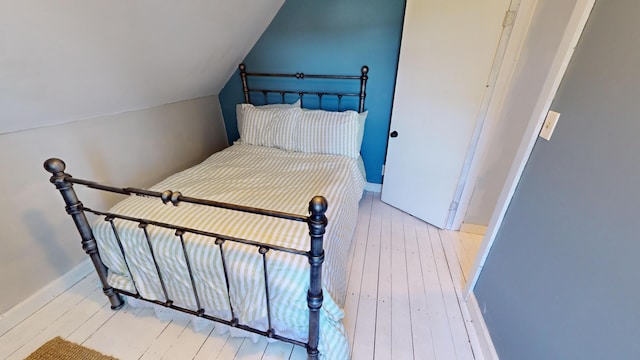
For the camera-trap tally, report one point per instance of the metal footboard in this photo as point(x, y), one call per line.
point(317, 222)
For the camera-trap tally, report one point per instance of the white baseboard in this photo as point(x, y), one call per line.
point(21, 311)
point(371, 187)
point(473, 228)
point(486, 344)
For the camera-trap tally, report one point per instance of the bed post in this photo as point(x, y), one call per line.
point(74, 208)
point(317, 224)
point(363, 87)
point(245, 88)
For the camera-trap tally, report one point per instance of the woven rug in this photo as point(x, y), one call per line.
point(60, 349)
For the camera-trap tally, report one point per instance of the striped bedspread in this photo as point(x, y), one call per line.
point(254, 176)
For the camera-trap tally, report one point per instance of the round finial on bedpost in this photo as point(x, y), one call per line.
point(54, 165)
point(242, 67)
point(318, 206)
point(365, 70)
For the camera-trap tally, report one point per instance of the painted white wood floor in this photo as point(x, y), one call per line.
point(404, 302)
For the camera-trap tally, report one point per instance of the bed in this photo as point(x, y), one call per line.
point(258, 235)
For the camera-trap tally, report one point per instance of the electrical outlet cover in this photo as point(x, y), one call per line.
point(549, 125)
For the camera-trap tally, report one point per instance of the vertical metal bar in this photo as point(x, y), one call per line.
point(320, 101)
point(317, 225)
point(339, 101)
point(263, 250)
point(300, 95)
point(219, 242)
point(363, 87)
point(74, 208)
point(266, 100)
point(245, 87)
point(282, 94)
point(180, 234)
point(143, 226)
point(124, 256)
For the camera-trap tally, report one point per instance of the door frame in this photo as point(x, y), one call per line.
point(500, 78)
point(573, 31)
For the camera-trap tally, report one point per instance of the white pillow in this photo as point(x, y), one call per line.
point(240, 113)
point(328, 132)
point(362, 119)
point(273, 127)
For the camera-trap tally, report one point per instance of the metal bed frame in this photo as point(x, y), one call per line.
point(316, 221)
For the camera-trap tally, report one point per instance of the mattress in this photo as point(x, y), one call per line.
point(253, 176)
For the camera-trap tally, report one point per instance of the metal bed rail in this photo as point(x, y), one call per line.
point(316, 221)
point(363, 78)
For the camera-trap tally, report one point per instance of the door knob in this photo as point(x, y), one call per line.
point(394, 134)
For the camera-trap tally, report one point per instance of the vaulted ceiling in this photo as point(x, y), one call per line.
point(68, 60)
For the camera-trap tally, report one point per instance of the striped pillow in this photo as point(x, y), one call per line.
point(273, 127)
point(240, 112)
point(329, 132)
point(283, 129)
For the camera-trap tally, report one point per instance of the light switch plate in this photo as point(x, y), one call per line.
point(549, 125)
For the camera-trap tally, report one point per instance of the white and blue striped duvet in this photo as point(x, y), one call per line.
point(254, 176)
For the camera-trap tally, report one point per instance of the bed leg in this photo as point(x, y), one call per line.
point(317, 225)
point(74, 208)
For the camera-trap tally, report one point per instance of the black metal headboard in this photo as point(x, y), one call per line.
point(363, 77)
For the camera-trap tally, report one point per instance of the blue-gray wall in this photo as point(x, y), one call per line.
point(338, 37)
point(562, 279)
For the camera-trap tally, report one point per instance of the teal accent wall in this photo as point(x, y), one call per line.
point(332, 37)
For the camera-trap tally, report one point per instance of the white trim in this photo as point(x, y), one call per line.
point(473, 228)
point(371, 187)
point(21, 311)
point(489, 117)
point(559, 65)
point(484, 337)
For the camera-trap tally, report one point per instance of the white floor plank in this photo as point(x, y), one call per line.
point(46, 294)
point(471, 245)
point(231, 348)
point(441, 332)
point(90, 325)
point(64, 325)
point(423, 346)
point(189, 342)
point(404, 301)
point(163, 342)
point(364, 335)
point(382, 347)
point(133, 328)
point(298, 353)
point(26, 330)
point(252, 351)
point(451, 301)
point(448, 239)
point(212, 346)
point(277, 350)
point(358, 250)
point(401, 339)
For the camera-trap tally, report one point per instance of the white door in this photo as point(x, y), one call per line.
point(446, 56)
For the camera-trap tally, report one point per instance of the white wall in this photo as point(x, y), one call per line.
point(540, 46)
point(74, 76)
point(67, 60)
point(39, 240)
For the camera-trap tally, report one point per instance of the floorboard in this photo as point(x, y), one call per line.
point(404, 301)
point(358, 250)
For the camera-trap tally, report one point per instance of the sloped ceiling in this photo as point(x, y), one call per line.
point(68, 60)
